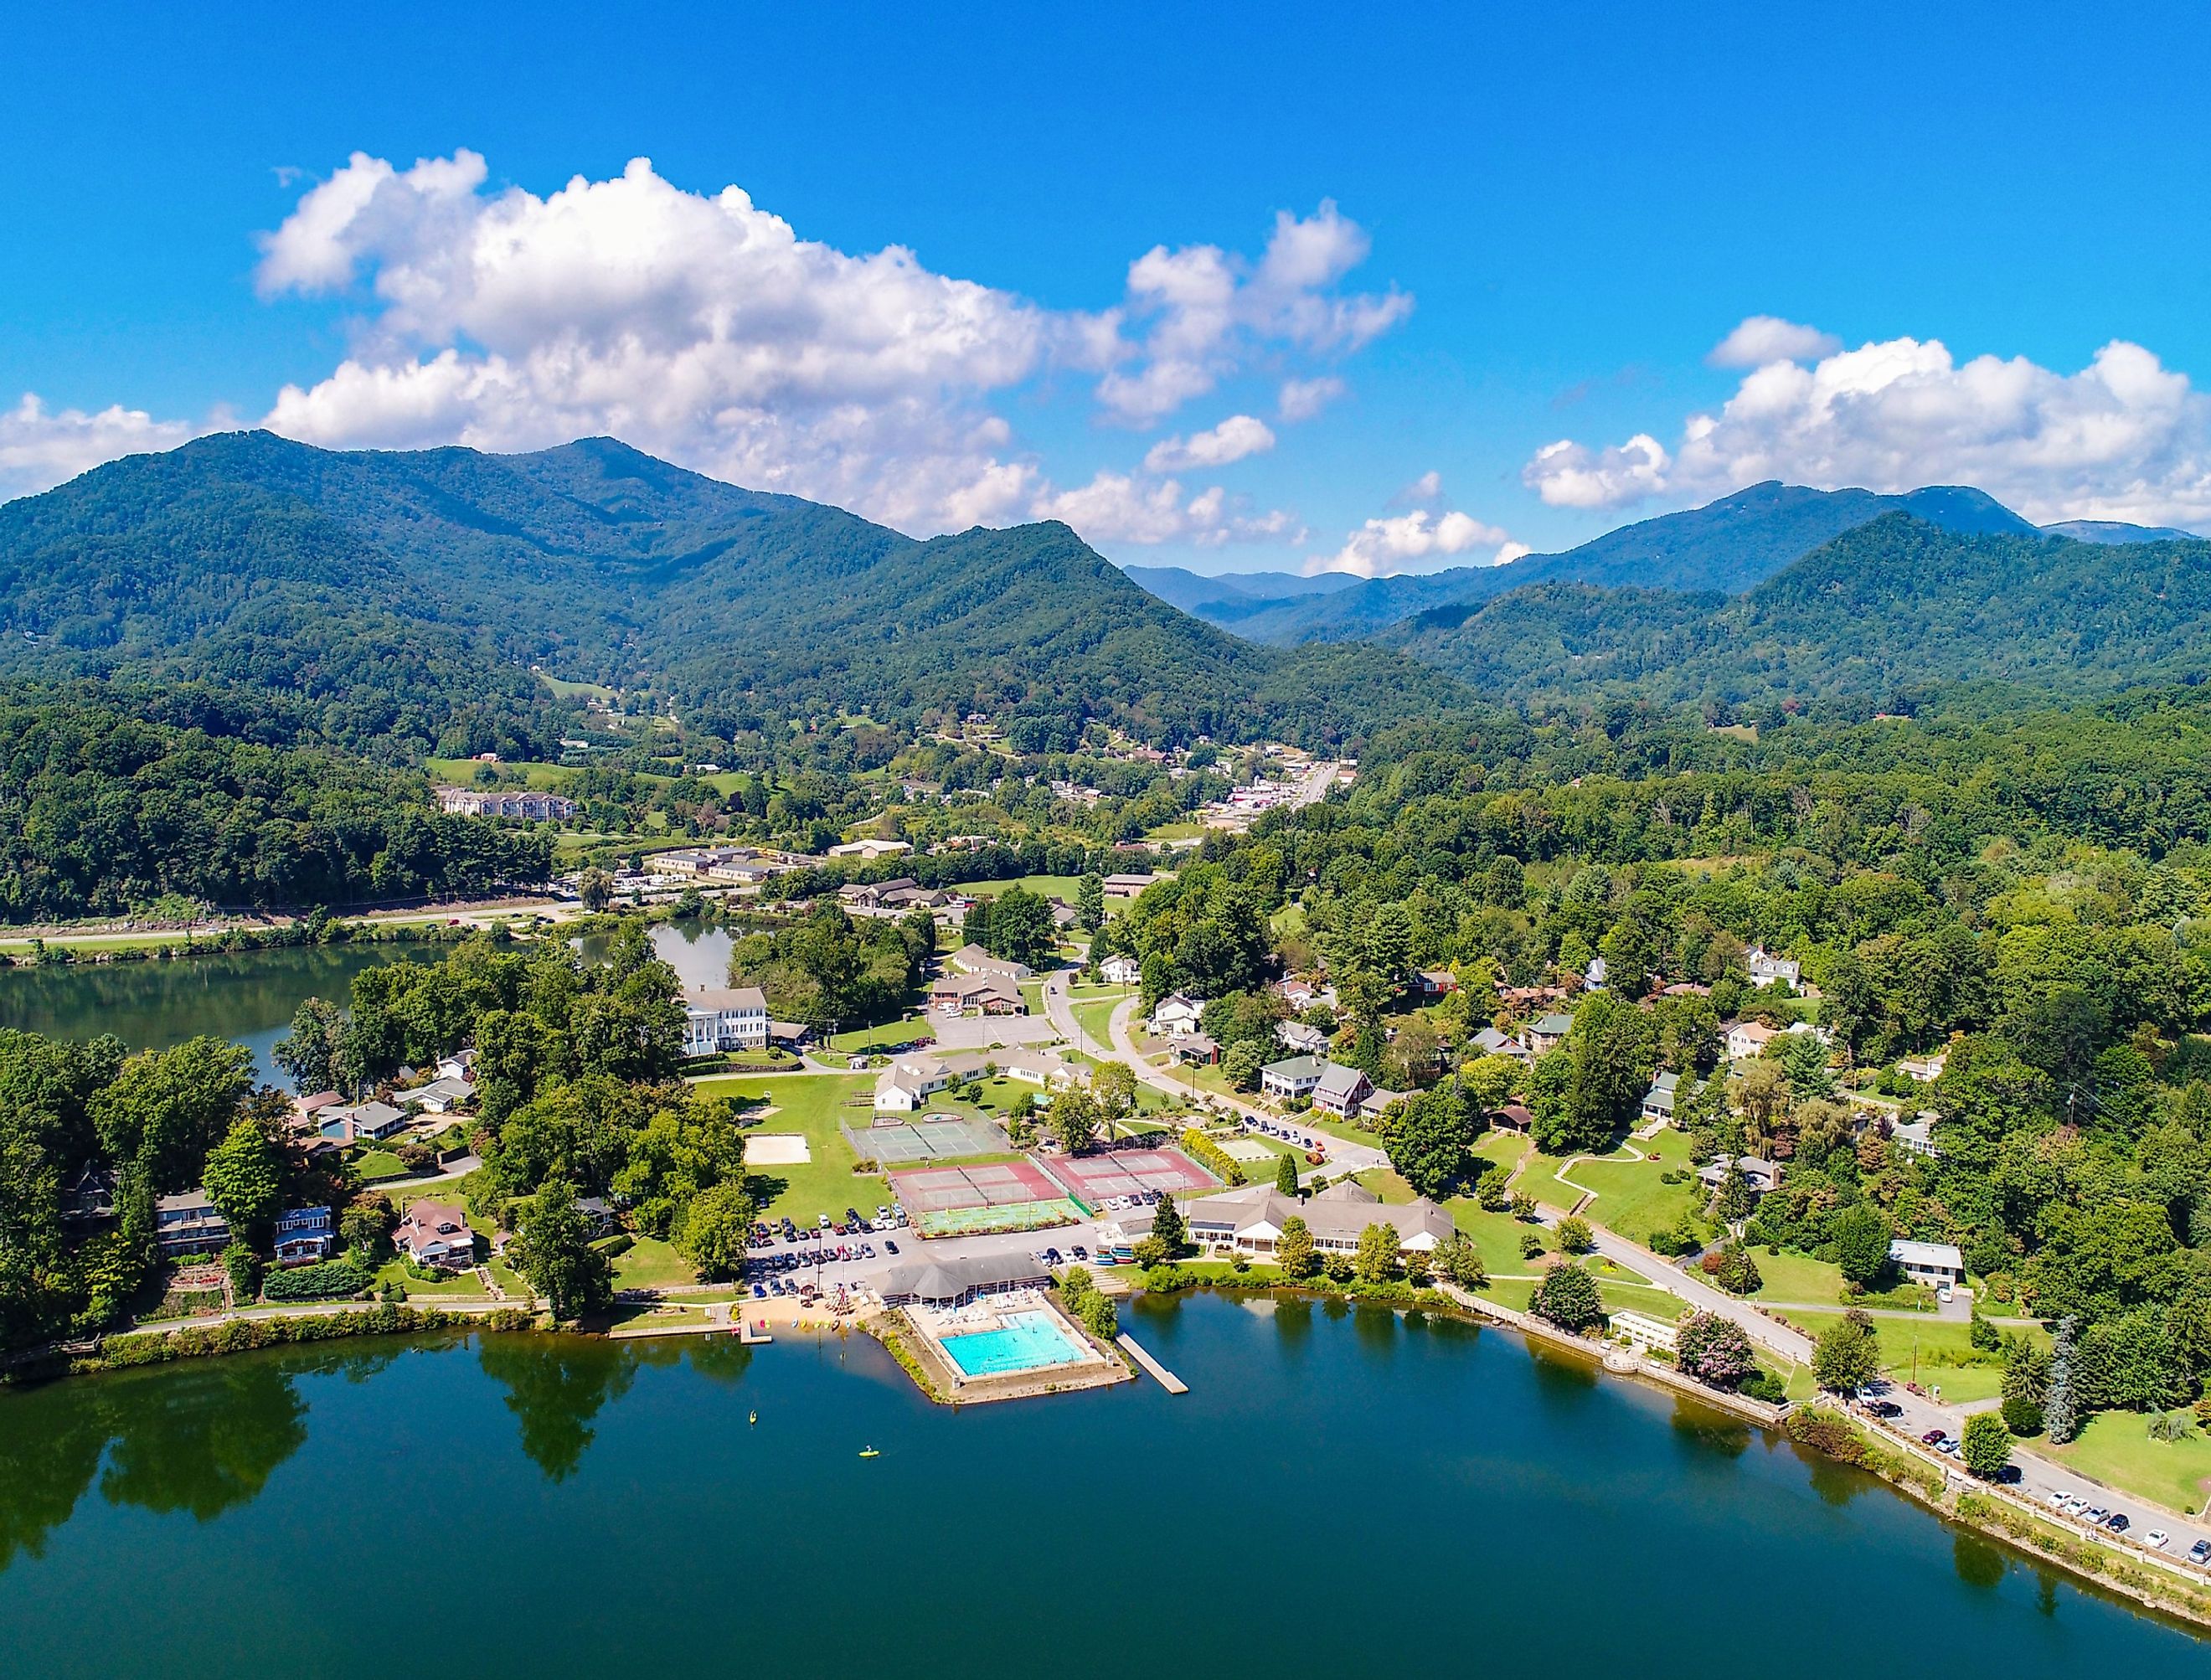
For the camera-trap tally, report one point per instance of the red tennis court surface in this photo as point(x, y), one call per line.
point(1124, 1172)
point(936, 1189)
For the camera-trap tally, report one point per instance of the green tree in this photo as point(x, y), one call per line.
point(1737, 1273)
point(1240, 1064)
point(1073, 1119)
point(1090, 902)
point(1567, 1296)
point(164, 1111)
point(1167, 1223)
point(1113, 1089)
point(1574, 1236)
point(1378, 1253)
point(1020, 928)
point(1293, 1250)
point(243, 1180)
point(1429, 1137)
point(244, 1266)
point(367, 1224)
point(1985, 1447)
point(716, 1225)
point(1847, 1355)
point(1860, 1233)
point(557, 1257)
point(597, 890)
point(1286, 1174)
point(309, 1052)
point(1458, 1259)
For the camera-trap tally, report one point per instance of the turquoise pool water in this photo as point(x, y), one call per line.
point(1028, 1342)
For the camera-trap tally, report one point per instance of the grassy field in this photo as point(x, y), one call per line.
point(650, 1264)
point(1800, 1277)
point(1942, 1350)
point(463, 771)
point(1630, 1198)
point(564, 689)
point(375, 1165)
point(467, 1283)
point(1094, 1012)
point(2116, 1450)
point(891, 1035)
point(1051, 886)
point(812, 1104)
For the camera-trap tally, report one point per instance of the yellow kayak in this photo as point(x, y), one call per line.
point(870, 1452)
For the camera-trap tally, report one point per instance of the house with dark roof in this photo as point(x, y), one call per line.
point(305, 1235)
point(1341, 1089)
point(187, 1223)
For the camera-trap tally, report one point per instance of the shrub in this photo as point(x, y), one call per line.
point(1574, 1236)
point(330, 1279)
point(1531, 1244)
point(2023, 1416)
point(1763, 1385)
point(1567, 1296)
point(1985, 1446)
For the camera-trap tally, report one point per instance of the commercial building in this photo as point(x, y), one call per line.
point(1250, 1220)
point(716, 1019)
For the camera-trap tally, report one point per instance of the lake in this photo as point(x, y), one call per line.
point(248, 997)
point(699, 951)
point(1343, 1492)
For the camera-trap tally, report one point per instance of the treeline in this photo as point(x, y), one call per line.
point(104, 809)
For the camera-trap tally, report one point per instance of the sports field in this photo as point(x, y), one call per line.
point(1125, 1171)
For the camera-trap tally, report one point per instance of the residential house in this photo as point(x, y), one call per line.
point(439, 1096)
point(989, 993)
point(305, 1234)
point(1916, 1137)
point(1197, 1050)
point(187, 1223)
point(1491, 1042)
point(461, 1065)
point(1546, 1035)
point(1747, 1039)
point(1301, 1039)
point(598, 1215)
point(1435, 982)
point(878, 894)
point(1120, 970)
point(1286, 1081)
point(1513, 1117)
point(903, 1086)
point(1299, 994)
point(436, 1234)
point(1767, 969)
point(1659, 1102)
point(1176, 1016)
point(1924, 1070)
point(1250, 1220)
point(1937, 1264)
point(716, 1019)
point(1595, 977)
point(1340, 1089)
point(88, 1195)
point(974, 959)
point(1371, 1106)
point(1042, 1067)
point(364, 1123)
point(1761, 1175)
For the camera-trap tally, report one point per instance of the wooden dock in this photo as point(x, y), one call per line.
point(1166, 1379)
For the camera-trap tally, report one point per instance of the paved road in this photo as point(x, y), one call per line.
point(2040, 1478)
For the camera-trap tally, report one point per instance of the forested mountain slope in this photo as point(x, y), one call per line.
point(1893, 605)
point(1729, 545)
point(396, 600)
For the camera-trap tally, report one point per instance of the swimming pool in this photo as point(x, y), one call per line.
point(1027, 1341)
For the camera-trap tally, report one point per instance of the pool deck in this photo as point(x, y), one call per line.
point(1100, 1368)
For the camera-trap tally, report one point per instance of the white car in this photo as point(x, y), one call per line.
point(2156, 1539)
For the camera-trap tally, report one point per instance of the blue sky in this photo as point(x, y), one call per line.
point(1502, 335)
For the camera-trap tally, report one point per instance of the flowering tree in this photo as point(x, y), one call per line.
point(1713, 1349)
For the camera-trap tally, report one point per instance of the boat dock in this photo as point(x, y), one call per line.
point(1166, 1379)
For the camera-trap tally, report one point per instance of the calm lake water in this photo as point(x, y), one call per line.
point(1342, 1494)
point(245, 996)
point(697, 951)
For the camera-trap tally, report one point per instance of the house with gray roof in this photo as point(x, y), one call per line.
point(956, 1283)
point(1286, 1081)
point(1250, 1220)
point(1340, 1089)
point(187, 1223)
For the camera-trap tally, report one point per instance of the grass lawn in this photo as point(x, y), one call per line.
point(1051, 886)
point(1630, 1199)
point(463, 771)
point(650, 1264)
point(1943, 1349)
point(1503, 1147)
point(1033, 995)
point(637, 1318)
point(2116, 1449)
point(452, 1191)
point(467, 1283)
point(510, 1281)
point(377, 1164)
point(811, 1104)
point(1094, 1014)
point(890, 1036)
point(1496, 1235)
point(1540, 1181)
point(1800, 1277)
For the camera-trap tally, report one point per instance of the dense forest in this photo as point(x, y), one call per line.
point(1885, 608)
point(403, 597)
point(111, 800)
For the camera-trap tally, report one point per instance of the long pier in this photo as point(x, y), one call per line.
point(1166, 1379)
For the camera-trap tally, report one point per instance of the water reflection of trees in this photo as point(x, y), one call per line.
point(556, 1386)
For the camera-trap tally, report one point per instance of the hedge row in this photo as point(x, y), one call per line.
point(245, 1335)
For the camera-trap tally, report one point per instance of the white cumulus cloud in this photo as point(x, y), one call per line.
point(2124, 438)
point(1122, 507)
point(1301, 399)
point(1413, 542)
point(1759, 339)
point(39, 446)
point(1232, 440)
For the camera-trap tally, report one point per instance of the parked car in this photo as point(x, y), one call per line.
point(889, 1245)
point(2156, 1539)
point(2117, 1522)
point(1933, 1437)
point(2200, 1553)
point(1883, 1409)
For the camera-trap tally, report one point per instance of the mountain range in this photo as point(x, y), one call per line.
point(398, 601)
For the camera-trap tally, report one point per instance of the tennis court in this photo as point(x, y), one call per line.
point(964, 1201)
point(938, 1138)
point(1093, 1178)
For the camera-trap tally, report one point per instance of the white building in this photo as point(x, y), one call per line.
point(905, 1086)
point(1119, 970)
point(510, 803)
point(1916, 1137)
point(1176, 1016)
point(1286, 1080)
point(720, 1018)
point(1746, 1041)
point(1924, 1070)
point(1938, 1264)
point(1645, 1331)
point(1767, 969)
point(1250, 1220)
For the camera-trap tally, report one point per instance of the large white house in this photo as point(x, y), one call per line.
point(719, 1018)
point(1767, 969)
point(1176, 1016)
point(906, 1084)
point(1747, 1039)
point(1939, 1264)
point(1120, 970)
